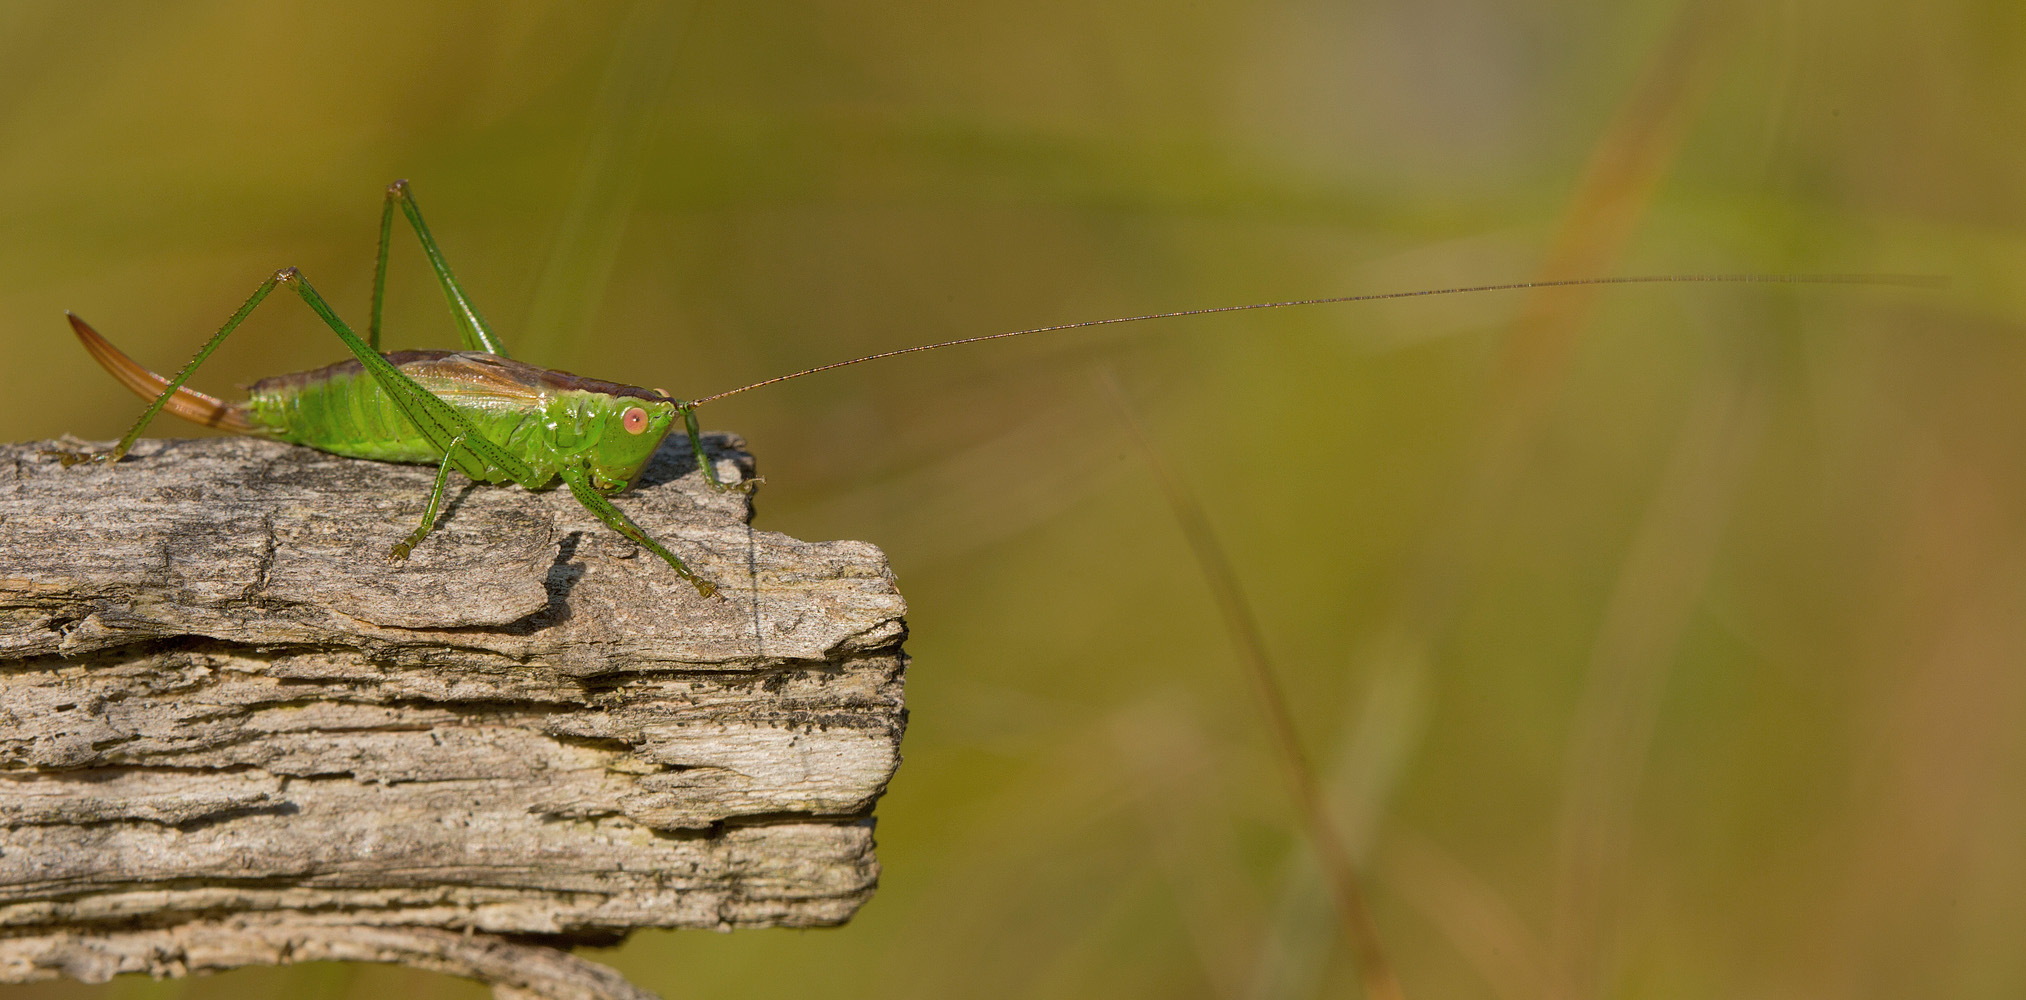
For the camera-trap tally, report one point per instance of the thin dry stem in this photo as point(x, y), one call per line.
point(1339, 871)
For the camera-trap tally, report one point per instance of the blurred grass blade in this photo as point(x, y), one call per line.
point(1626, 164)
point(629, 109)
point(1242, 626)
point(1658, 584)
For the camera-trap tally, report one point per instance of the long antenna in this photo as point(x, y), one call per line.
point(1899, 280)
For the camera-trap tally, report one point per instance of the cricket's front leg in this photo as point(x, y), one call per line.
point(703, 461)
point(616, 519)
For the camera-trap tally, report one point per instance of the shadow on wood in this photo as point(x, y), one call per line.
point(231, 733)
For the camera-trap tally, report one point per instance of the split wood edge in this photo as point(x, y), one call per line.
point(231, 734)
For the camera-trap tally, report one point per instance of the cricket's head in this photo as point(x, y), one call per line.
point(622, 433)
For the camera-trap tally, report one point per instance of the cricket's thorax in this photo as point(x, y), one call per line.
point(544, 417)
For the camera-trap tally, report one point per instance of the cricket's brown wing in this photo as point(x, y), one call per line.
point(454, 373)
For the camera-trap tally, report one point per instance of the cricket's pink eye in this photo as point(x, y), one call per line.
point(635, 419)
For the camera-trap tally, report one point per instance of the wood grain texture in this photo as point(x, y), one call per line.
point(232, 733)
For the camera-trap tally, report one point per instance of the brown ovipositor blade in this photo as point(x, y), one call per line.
point(187, 403)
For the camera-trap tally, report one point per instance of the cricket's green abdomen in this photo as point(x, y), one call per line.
point(341, 412)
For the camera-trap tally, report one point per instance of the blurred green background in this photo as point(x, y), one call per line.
point(1657, 642)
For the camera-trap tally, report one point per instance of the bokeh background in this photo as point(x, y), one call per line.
point(1652, 641)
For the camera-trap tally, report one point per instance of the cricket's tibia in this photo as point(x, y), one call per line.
point(187, 403)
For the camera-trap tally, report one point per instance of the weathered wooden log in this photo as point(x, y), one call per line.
point(232, 733)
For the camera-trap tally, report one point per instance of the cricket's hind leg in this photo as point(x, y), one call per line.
point(183, 401)
point(463, 445)
point(477, 335)
point(171, 389)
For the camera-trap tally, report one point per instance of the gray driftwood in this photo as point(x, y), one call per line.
point(231, 733)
